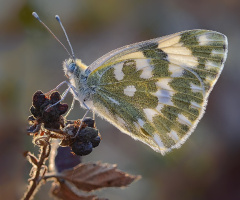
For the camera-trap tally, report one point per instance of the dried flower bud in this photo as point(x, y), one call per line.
point(38, 99)
point(96, 141)
point(55, 97)
point(90, 122)
point(82, 148)
point(43, 113)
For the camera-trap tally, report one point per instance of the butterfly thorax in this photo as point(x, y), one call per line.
point(75, 71)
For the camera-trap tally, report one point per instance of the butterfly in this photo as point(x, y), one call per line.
point(155, 91)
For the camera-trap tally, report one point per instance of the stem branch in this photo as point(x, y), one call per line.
point(37, 176)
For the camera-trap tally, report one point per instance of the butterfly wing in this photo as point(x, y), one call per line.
point(156, 91)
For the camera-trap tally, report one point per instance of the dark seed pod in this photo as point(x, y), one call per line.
point(82, 148)
point(38, 99)
point(35, 112)
point(44, 106)
point(96, 141)
point(55, 97)
point(89, 121)
point(52, 125)
point(87, 134)
point(62, 108)
point(43, 113)
point(51, 118)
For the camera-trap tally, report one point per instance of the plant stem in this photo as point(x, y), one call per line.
point(38, 176)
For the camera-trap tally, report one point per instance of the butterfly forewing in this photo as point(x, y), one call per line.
point(156, 91)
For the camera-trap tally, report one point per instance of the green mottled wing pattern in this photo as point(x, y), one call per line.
point(156, 91)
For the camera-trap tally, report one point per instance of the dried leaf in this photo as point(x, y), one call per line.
point(63, 191)
point(92, 176)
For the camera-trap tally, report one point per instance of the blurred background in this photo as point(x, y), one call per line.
point(205, 167)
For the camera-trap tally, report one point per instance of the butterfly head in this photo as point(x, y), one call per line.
point(69, 67)
point(75, 71)
point(73, 68)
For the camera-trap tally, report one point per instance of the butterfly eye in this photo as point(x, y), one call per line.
point(71, 67)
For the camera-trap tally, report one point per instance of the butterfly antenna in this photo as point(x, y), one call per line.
point(37, 17)
point(69, 43)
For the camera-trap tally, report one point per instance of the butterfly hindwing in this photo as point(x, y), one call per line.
point(156, 91)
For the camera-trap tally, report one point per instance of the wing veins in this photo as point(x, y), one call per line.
point(149, 81)
point(157, 112)
point(158, 102)
point(148, 120)
point(214, 59)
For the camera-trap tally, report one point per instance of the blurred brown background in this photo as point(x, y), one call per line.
point(208, 164)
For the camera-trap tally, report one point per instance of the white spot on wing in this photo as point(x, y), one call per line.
point(184, 120)
point(169, 42)
point(174, 136)
point(163, 83)
point(147, 73)
point(158, 140)
point(195, 105)
point(175, 70)
point(184, 61)
point(178, 50)
point(143, 64)
point(210, 65)
point(159, 107)
point(141, 122)
point(130, 90)
point(196, 88)
point(164, 96)
point(118, 71)
point(217, 52)
point(203, 39)
point(150, 113)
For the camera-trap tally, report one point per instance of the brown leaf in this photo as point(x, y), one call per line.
point(92, 176)
point(64, 191)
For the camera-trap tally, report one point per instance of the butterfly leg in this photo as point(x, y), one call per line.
point(71, 108)
point(58, 86)
point(84, 116)
point(64, 95)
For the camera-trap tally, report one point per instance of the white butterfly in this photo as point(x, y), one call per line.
point(155, 91)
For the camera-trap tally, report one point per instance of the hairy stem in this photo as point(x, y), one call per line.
point(38, 174)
